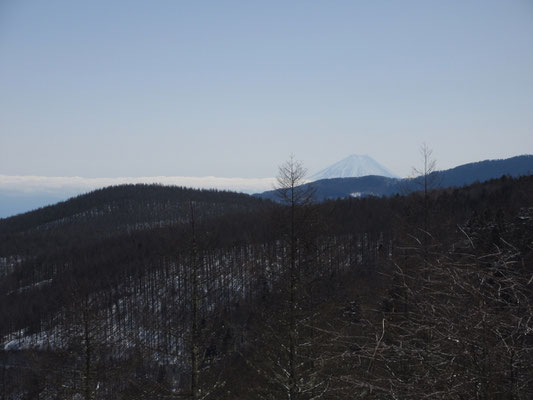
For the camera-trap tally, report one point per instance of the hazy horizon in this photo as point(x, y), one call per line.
point(22, 193)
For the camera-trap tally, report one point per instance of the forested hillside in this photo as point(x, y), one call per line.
point(149, 292)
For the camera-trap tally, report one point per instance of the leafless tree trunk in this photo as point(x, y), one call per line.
point(427, 178)
point(195, 261)
point(290, 176)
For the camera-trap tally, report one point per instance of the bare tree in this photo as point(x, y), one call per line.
point(289, 181)
point(290, 177)
point(429, 165)
point(426, 177)
point(288, 362)
point(195, 263)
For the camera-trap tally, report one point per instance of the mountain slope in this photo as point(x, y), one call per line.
point(353, 166)
point(383, 186)
point(127, 207)
point(485, 170)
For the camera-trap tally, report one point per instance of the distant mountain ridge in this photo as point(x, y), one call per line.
point(484, 170)
point(353, 166)
point(374, 185)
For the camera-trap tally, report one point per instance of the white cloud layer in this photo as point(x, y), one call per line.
point(30, 184)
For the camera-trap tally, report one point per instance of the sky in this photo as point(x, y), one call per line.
point(110, 89)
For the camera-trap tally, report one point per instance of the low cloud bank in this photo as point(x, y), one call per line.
point(29, 184)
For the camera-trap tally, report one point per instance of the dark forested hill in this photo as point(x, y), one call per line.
point(149, 292)
point(115, 211)
point(132, 204)
point(382, 186)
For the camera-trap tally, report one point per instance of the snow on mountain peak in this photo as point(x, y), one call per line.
point(354, 165)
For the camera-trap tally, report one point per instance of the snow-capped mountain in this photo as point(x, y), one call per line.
point(351, 167)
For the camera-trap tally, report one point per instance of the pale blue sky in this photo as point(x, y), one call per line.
point(231, 88)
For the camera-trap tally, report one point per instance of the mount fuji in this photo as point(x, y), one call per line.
point(352, 167)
